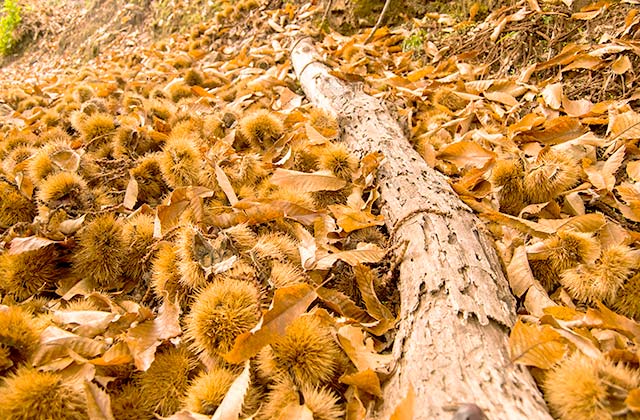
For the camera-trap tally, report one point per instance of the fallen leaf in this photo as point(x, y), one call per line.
point(366, 381)
point(98, 402)
point(536, 345)
point(465, 154)
point(360, 350)
point(519, 273)
point(131, 194)
point(231, 405)
point(287, 305)
point(350, 219)
point(405, 408)
point(307, 182)
point(30, 243)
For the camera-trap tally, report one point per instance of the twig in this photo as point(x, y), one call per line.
point(379, 22)
point(325, 15)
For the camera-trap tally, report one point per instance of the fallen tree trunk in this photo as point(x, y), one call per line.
point(456, 306)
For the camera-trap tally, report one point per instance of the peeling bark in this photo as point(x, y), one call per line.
point(456, 306)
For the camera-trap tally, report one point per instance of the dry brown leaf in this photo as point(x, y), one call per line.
point(355, 408)
point(341, 304)
point(582, 343)
point(633, 400)
point(144, 338)
point(288, 304)
point(365, 277)
point(89, 323)
point(552, 95)
point(67, 160)
point(98, 402)
point(225, 185)
point(621, 65)
point(602, 175)
point(363, 254)
point(29, 243)
point(576, 108)
point(501, 97)
point(465, 154)
point(537, 300)
point(131, 194)
point(366, 381)
point(604, 317)
point(295, 411)
point(633, 170)
point(71, 226)
point(117, 354)
point(405, 408)
point(56, 343)
point(360, 350)
point(536, 345)
point(231, 405)
point(625, 126)
point(350, 219)
point(519, 273)
point(307, 182)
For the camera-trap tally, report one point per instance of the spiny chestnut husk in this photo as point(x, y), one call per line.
point(34, 395)
point(507, 179)
point(322, 402)
point(336, 158)
point(307, 353)
point(25, 274)
point(554, 172)
point(164, 384)
point(101, 251)
point(19, 337)
point(582, 388)
point(221, 312)
point(564, 250)
point(261, 128)
point(180, 162)
point(207, 390)
point(601, 281)
point(138, 237)
point(64, 189)
point(14, 207)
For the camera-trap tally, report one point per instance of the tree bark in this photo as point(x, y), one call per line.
point(456, 306)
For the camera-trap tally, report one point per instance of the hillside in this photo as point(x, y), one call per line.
point(189, 231)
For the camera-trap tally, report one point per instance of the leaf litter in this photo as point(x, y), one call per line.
point(533, 124)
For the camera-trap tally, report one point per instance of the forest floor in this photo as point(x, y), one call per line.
point(163, 177)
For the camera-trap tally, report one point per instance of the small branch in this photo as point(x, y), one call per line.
point(379, 22)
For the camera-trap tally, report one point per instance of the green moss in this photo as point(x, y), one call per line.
point(9, 22)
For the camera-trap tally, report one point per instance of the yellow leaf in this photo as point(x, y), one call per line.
point(519, 273)
point(307, 182)
point(405, 408)
point(288, 304)
point(360, 350)
point(633, 400)
point(535, 345)
point(625, 126)
point(466, 153)
point(131, 194)
point(231, 405)
point(621, 65)
point(98, 402)
point(350, 219)
point(366, 277)
point(225, 185)
point(366, 381)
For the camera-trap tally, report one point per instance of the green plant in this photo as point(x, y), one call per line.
point(8, 24)
point(414, 41)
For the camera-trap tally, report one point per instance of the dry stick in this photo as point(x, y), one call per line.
point(379, 22)
point(456, 307)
